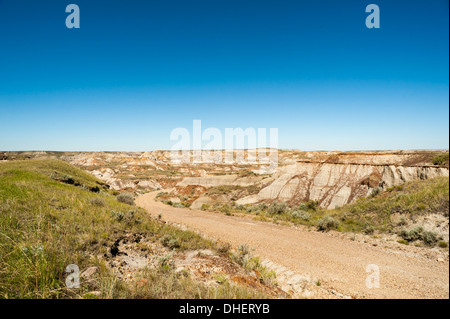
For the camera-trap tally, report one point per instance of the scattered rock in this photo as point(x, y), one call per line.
point(89, 273)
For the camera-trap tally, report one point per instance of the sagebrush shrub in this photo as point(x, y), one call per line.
point(412, 234)
point(125, 198)
point(418, 233)
point(429, 238)
point(97, 201)
point(327, 223)
point(277, 208)
point(300, 214)
point(117, 215)
point(170, 241)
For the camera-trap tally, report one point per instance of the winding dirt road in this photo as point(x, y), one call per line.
point(338, 262)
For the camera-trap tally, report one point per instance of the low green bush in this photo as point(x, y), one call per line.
point(170, 241)
point(441, 159)
point(300, 214)
point(126, 199)
point(277, 208)
point(98, 201)
point(327, 223)
point(418, 233)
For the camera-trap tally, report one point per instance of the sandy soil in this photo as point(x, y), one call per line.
point(337, 262)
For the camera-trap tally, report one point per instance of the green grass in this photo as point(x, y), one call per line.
point(222, 189)
point(441, 159)
point(47, 224)
point(227, 189)
point(164, 283)
point(243, 257)
point(409, 200)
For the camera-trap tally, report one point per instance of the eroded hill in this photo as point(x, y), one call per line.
point(331, 178)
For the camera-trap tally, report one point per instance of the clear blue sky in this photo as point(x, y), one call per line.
point(135, 70)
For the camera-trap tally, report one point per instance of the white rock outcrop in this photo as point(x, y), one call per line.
point(337, 184)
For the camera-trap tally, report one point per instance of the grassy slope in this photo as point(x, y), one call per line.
point(408, 200)
point(46, 224)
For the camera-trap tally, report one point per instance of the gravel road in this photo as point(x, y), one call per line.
point(339, 263)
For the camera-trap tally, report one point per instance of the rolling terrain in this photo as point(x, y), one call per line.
point(317, 220)
point(53, 215)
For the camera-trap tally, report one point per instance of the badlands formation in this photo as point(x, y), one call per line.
point(332, 178)
point(301, 257)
